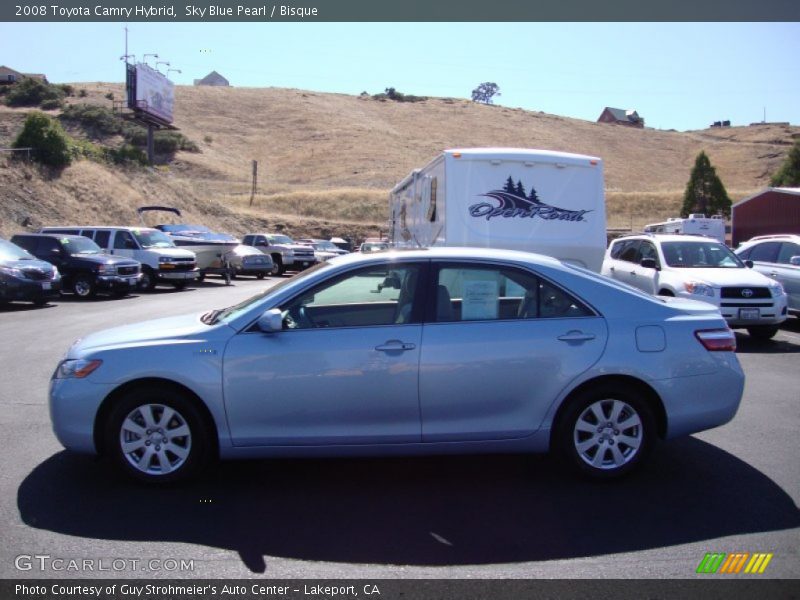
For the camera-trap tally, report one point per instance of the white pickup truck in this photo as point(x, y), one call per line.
point(285, 253)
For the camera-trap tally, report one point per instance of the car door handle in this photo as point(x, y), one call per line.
point(395, 346)
point(576, 336)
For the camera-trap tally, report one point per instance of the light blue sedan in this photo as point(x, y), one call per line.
point(450, 350)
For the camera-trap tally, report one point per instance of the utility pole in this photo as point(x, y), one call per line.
point(255, 182)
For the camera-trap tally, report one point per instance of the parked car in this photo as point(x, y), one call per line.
point(367, 247)
point(323, 249)
point(777, 257)
point(700, 268)
point(162, 262)
point(285, 253)
point(520, 353)
point(84, 267)
point(246, 260)
point(24, 277)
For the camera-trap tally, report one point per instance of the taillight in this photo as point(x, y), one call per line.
point(717, 340)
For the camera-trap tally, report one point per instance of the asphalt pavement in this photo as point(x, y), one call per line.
point(731, 489)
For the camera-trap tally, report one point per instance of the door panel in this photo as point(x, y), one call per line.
point(324, 386)
point(497, 379)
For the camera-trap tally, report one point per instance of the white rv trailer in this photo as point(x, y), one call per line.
point(540, 201)
point(695, 224)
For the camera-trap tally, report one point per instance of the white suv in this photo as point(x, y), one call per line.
point(702, 269)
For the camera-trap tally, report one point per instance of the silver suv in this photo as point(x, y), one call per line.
point(777, 257)
point(285, 253)
point(700, 268)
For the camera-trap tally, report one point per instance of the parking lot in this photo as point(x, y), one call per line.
point(731, 489)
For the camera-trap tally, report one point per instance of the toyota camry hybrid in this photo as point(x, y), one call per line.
point(450, 350)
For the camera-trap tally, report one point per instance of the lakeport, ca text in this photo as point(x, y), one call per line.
point(152, 11)
point(148, 590)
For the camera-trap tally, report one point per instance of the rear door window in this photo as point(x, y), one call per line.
point(766, 252)
point(788, 250)
point(102, 238)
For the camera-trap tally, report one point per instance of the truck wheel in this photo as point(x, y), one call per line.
point(277, 266)
point(156, 434)
point(84, 286)
point(179, 285)
point(260, 275)
point(148, 281)
point(607, 431)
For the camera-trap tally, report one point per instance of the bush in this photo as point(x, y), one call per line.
point(50, 144)
point(51, 104)
point(128, 153)
point(393, 94)
point(110, 96)
point(66, 88)
point(32, 92)
point(97, 119)
point(82, 93)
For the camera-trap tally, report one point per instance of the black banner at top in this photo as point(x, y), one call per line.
point(396, 11)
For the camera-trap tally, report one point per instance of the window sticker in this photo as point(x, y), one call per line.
point(480, 300)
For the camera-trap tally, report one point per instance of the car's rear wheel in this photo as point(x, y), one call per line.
point(157, 435)
point(607, 431)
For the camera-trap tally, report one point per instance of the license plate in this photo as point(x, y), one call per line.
point(46, 285)
point(132, 281)
point(749, 314)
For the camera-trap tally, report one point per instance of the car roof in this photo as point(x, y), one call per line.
point(668, 237)
point(51, 234)
point(450, 253)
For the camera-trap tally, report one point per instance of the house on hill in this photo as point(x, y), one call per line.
point(622, 117)
point(213, 78)
point(9, 76)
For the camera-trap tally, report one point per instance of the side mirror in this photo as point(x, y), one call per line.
point(795, 261)
point(271, 321)
point(748, 264)
point(648, 263)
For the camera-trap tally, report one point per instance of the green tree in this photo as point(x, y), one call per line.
point(50, 144)
point(704, 191)
point(486, 92)
point(789, 173)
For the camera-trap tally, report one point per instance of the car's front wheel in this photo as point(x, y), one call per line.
point(147, 282)
point(607, 431)
point(84, 286)
point(763, 332)
point(157, 435)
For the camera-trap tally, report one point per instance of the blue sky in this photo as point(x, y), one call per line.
point(676, 75)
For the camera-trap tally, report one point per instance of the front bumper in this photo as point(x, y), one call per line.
point(118, 282)
point(748, 313)
point(178, 275)
point(28, 290)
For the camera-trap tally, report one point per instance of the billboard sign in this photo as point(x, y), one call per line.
point(150, 92)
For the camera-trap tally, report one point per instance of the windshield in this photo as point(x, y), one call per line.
point(327, 246)
point(280, 239)
point(80, 245)
point(226, 314)
point(9, 251)
point(152, 238)
point(700, 255)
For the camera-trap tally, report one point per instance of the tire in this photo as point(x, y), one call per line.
point(277, 266)
point(612, 446)
point(666, 293)
point(140, 422)
point(764, 332)
point(37, 302)
point(179, 285)
point(148, 281)
point(260, 275)
point(84, 286)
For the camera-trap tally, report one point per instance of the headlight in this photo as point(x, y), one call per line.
point(78, 368)
point(107, 270)
point(165, 259)
point(11, 272)
point(56, 276)
point(776, 289)
point(289, 253)
point(699, 289)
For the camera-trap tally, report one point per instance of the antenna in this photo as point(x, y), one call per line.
point(126, 56)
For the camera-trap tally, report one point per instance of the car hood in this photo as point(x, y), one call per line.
point(27, 263)
point(689, 306)
point(182, 329)
point(723, 277)
point(104, 259)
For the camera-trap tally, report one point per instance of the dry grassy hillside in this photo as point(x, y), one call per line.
point(327, 161)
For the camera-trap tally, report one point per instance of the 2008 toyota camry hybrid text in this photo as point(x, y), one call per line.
point(450, 350)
